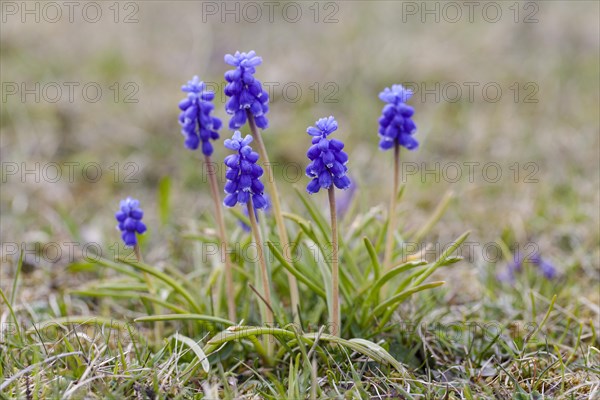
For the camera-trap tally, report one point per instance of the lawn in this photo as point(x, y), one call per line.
point(465, 268)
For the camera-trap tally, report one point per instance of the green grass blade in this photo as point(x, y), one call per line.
point(314, 213)
point(290, 268)
point(395, 300)
point(390, 275)
point(192, 344)
point(129, 295)
point(160, 275)
point(184, 317)
point(438, 263)
point(83, 320)
point(13, 293)
point(439, 211)
point(164, 194)
point(362, 346)
point(11, 311)
point(374, 259)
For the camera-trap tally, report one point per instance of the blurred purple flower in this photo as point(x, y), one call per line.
point(547, 269)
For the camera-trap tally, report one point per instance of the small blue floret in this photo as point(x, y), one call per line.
point(130, 222)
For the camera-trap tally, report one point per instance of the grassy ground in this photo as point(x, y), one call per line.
point(68, 328)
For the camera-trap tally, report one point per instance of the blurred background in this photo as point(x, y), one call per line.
point(506, 100)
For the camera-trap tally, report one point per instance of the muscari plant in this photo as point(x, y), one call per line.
point(200, 127)
point(353, 278)
point(327, 168)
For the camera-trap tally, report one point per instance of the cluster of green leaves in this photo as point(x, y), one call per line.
point(370, 293)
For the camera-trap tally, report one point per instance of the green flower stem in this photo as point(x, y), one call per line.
point(389, 245)
point(214, 189)
point(335, 301)
point(158, 327)
point(262, 151)
point(268, 313)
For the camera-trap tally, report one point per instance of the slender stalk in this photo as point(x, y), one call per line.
point(138, 253)
point(159, 326)
point(263, 270)
point(262, 151)
point(335, 301)
point(138, 257)
point(389, 244)
point(214, 189)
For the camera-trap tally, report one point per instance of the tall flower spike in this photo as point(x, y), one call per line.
point(243, 173)
point(197, 125)
point(328, 161)
point(130, 222)
point(245, 91)
point(395, 123)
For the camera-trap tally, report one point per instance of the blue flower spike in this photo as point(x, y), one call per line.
point(129, 219)
point(547, 269)
point(395, 124)
point(197, 124)
point(245, 92)
point(328, 162)
point(243, 173)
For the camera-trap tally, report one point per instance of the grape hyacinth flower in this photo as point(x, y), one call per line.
point(245, 91)
point(244, 186)
point(396, 128)
point(197, 125)
point(327, 169)
point(130, 222)
point(328, 161)
point(243, 173)
point(248, 102)
point(395, 123)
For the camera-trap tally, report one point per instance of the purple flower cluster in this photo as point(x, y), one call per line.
point(545, 267)
point(245, 91)
point(196, 122)
point(395, 123)
point(130, 222)
point(328, 161)
point(243, 173)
